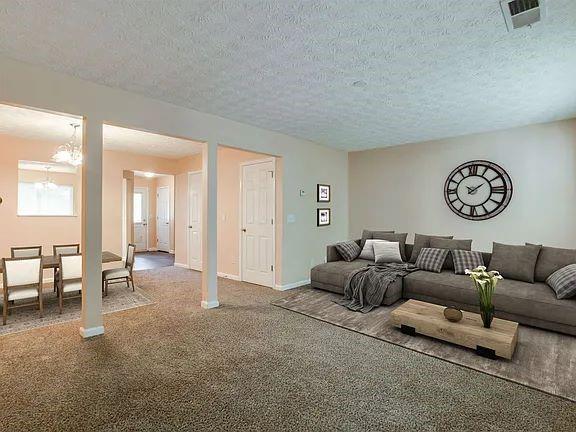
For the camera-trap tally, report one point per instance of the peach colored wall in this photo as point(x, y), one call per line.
point(28, 230)
point(229, 171)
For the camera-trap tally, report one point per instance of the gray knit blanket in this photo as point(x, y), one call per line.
point(366, 287)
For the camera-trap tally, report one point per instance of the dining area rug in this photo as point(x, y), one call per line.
point(119, 298)
point(543, 360)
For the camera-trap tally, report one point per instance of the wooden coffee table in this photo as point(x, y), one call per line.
point(417, 317)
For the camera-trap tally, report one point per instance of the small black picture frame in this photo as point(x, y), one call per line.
point(323, 193)
point(323, 217)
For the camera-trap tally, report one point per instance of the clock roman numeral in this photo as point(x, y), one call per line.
point(473, 170)
point(452, 191)
point(499, 189)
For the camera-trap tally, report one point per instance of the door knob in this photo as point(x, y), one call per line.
point(243, 229)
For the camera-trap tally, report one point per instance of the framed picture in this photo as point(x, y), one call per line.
point(323, 193)
point(323, 216)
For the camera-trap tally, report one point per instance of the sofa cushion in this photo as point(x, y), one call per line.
point(336, 272)
point(466, 260)
point(368, 250)
point(387, 252)
point(441, 243)
point(332, 277)
point(422, 241)
point(535, 300)
point(563, 282)
point(552, 259)
point(348, 250)
point(369, 234)
point(431, 259)
point(515, 262)
point(393, 237)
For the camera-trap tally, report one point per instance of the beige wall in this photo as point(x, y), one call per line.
point(402, 187)
point(304, 163)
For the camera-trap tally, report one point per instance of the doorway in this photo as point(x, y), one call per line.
point(258, 207)
point(140, 206)
point(195, 220)
point(163, 219)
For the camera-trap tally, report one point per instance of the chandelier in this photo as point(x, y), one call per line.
point(71, 152)
point(46, 183)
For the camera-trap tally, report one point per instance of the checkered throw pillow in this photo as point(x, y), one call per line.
point(348, 250)
point(464, 259)
point(431, 259)
point(563, 282)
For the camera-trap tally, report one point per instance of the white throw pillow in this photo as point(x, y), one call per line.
point(368, 249)
point(388, 252)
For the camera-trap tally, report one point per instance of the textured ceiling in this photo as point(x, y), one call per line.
point(432, 68)
point(38, 125)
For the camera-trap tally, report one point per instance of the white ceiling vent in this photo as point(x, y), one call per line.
point(521, 13)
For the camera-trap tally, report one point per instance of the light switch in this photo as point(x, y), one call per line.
point(291, 218)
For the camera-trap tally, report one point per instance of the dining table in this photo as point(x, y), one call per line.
point(53, 262)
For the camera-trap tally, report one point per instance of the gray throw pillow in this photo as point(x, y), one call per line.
point(563, 282)
point(398, 237)
point(422, 241)
point(515, 262)
point(368, 234)
point(464, 259)
point(387, 252)
point(450, 244)
point(552, 259)
point(431, 259)
point(348, 250)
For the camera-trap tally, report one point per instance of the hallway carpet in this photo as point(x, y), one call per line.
point(152, 260)
point(246, 366)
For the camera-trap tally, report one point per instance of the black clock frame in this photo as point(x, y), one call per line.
point(502, 174)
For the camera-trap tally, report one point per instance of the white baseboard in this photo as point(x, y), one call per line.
point(181, 265)
point(210, 304)
point(91, 332)
point(172, 251)
point(292, 285)
point(228, 276)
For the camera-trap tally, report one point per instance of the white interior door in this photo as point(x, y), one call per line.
point(163, 219)
point(195, 221)
point(258, 205)
point(141, 218)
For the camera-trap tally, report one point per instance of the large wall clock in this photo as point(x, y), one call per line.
point(478, 190)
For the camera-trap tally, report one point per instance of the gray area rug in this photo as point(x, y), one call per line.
point(543, 360)
point(119, 298)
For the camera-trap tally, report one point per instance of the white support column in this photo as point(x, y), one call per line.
point(209, 225)
point(92, 323)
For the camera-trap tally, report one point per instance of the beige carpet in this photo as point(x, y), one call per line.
point(248, 365)
point(27, 318)
point(543, 360)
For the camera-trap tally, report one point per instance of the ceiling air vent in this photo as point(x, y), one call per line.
point(522, 13)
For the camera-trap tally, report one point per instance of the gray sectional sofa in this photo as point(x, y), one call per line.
point(534, 304)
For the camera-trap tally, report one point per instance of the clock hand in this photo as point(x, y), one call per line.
point(474, 189)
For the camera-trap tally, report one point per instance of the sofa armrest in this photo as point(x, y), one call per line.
point(332, 254)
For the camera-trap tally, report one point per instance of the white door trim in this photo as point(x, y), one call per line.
point(188, 174)
point(241, 215)
point(158, 219)
point(147, 200)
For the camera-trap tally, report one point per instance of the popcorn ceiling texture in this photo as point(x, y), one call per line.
point(433, 68)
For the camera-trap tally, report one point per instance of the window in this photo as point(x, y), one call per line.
point(36, 199)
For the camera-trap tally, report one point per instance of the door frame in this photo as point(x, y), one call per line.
point(241, 216)
point(169, 217)
point(147, 196)
point(188, 174)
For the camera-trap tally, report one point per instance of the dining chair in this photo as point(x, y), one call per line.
point(70, 279)
point(122, 274)
point(26, 251)
point(65, 249)
point(22, 277)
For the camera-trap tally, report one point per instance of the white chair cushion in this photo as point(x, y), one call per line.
point(23, 272)
point(22, 293)
point(65, 250)
point(71, 266)
point(115, 273)
point(72, 286)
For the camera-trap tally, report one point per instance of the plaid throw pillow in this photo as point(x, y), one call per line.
point(563, 282)
point(431, 259)
point(464, 259)
point(348, 250)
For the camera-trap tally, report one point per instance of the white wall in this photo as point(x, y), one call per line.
point(402, 187)
point(304, 163)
